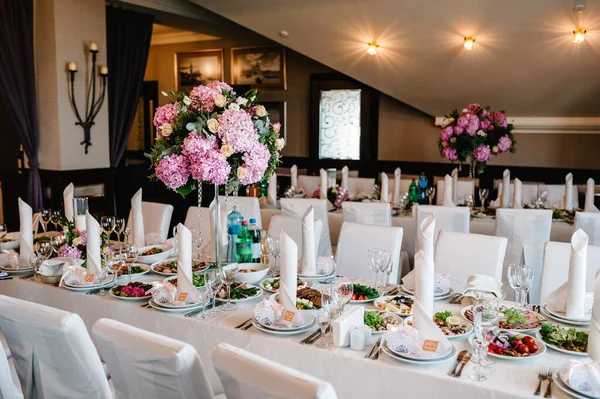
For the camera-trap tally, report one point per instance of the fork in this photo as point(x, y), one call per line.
point(549, 377)
point(542, 375)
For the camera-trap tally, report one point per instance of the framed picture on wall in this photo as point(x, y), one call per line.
point(260, 67)
point(277, 111)
point(198, 68)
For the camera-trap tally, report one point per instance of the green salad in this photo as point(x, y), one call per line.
point(442, 316)
point(364, 292)
point(565, 338)
point(513, 317)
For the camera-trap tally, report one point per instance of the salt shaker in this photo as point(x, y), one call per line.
point(357, 339)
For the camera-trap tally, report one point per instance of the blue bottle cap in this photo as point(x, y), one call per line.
point(252, 220)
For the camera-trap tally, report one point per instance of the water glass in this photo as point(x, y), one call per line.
point(430, 194)
point(130, 255)
point(323, 321)
point(520, 278)
point(483, 194)
point(485, 323)
point(228, 276)
point(374, 256)
point(343, 291)
point(55, 217)
point(212, 280)
point(273, 246)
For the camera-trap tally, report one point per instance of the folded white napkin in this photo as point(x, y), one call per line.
point(288, 273)
point(68, 199)
point(594, 332)
point(428, 330)
point(308, 263)
point(454, 175)
point(26, 229)
point(505, 196)
point(589, 196)
point(184, 264)
point(294, 177)
point(323, 185)
point(137, 219)
point(424, 271)
point(76, 276)
point(397, 175)
point(268, 313)
point(482, 286)
point(272, 189)
point(448, 191)
point(94, 242)
point(52, 267)
point(345, 177)
point(518, 196)
point(384, 188)
point(353, 317)
point(582, 376)
point(569, 192)
point(425, 236)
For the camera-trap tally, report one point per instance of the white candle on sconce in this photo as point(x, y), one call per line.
point(93, 46)
point(103, 70)
point(72, 66)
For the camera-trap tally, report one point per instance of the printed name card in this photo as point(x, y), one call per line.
point(182, 296)
point(289, 316)
point(430, 346)
point(89, 278)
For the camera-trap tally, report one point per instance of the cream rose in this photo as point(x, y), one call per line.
point(234, 106)
point(242, 172)
point(495, 149)
point(166, 130)
point(213, 125)
point(187, 100)
point(226, 150)
point(481, 133)
point(78, 241)
point(241, 101)
point(453, 140)
point(260, 111)
point(446, 122)
point(220, 100)
point(280, 143)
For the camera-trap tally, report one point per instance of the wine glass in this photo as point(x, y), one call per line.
point(388, 271)
point(131, 255)
point(342, 290)
point(323, 320)
point(212, 280)
point(483, 194)
point(228, 276)
point(430, 194)
point(45, 218)
point(56, 242)
point(383, 260)
point(469, 201)
point(107, 223)
point(527, 275)
point(520, 278)
point(485, 322)
point(273, 246)
point(43, 251)
point(197, 243)
point(128, 232)
point(55, 217)
point(3, 233)
point(108, 258)
point(119, 227)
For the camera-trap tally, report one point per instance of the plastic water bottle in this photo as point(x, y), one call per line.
point(232, 233)
point(423, 183)
point(234, 219)
point(244, 245)
point(255, 234)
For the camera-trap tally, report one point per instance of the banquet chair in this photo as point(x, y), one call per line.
point(8, 389)
point(447, 218)
point(527, 230)
point(590, 223)
point(145, 365)
point(359, 185)
point(355, 239)
point(556, 195)
point(309, 184)
point(191, 222)
point(245, 375)
point(157, 218)
point(297, 207)
point(404, 184)
point(465, 187)
point(529, 192)
point(293, 228)
point(556, 266)
point(52, 351)
point(464, 254)
point(376, 213)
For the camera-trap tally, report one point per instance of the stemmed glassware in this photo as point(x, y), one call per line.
point(324, 318)
point(131, 254)
point(483, 194)
point(273, 247)
point(107, 223)
point(119, 227)
point(485, 322)
point(228, 275)
point(387, 271)
point(45, 218)
point(212, 280)
point(43, 251)
point(520, 278)
point(373, 257)
point(57, 241)
point(55, 217)
point(343, 291)
point(3, 233)
point(430, 194)
point(108, 258)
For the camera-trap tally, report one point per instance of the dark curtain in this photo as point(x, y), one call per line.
point(128, 36)
point(17, 84)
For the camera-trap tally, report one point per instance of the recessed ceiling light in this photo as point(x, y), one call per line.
point(579, 35)
point(469, 42)
point(283, 33)
point(372, 49)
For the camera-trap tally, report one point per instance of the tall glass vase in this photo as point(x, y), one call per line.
point(217, 227)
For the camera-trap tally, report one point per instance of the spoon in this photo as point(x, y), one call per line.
point(465, 360)
point(459, 359)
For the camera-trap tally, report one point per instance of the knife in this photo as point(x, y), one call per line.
point(373, 348)
point(308, 340)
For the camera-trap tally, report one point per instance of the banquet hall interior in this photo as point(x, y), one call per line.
point(267, 199)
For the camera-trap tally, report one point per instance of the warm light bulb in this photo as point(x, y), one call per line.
point(469, 42)
point(579, 35)
point(372, 48)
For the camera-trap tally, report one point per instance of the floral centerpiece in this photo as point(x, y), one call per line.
point(335, 194)
point(214, 136)
point(76, 241)
point(475, 135)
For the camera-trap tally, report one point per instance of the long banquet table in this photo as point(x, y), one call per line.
point(351, 374)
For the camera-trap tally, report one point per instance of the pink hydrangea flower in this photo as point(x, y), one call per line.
point(237, 129)
point(470, 122)
point(256, 162)
point(203, 98)
point(484, 124)
point(211, 167)
point(499, 119)
point(450, 153)
point(504, 143)
point(70, 252)
point(277, 127)
point(83, 236)
point(474, 108)
point(446, 133)
point(482, 153)
point(484, 113)
point(458, 130)
point(173, 171)
point(165, 114)
point(219, 86)
point(197, 145)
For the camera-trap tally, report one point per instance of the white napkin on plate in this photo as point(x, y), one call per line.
point(345, 177)
point(479, 285)
point(68, 199)
point(594, 332)
point(589, 196)
point(396, 197)
point(424, 280)
point(583, 376)
point(570, 297)
point(26, 229)
point(137, 219)
point(75, 276)
point(272, 189)
point(294, 177)
point(308, 263)
point(353, 317)
point(323, 184)
point(425, 236)
point(518, 196)
point(94, 242)
point(52, 267)
point(288, 272)
point(184, 264)
point(569, 192)
point(385, 196)
point(454, 175)
point(448, 191)
point(428, 330)
point(505, 195)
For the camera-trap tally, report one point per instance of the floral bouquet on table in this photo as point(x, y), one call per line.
point(335, 194)
point(475, 135)
point(214, 136)
point(76, 241)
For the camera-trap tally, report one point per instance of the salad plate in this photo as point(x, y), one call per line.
point(137, 269)
point(267, 330)
point(197, 280)
point(513, 319)
point(85, 288)
point(363, 294)
point(545, 312)
point(402, 358)
point(307, 321)
point(452, 326)
point(11, 241)
point(17, 272)
point(563, 316)
point(510, 346)
point(379, 321)
point(154, 253)
point(173, 308)
point(398, 304)
point(117, 291)
point(566, 340)
point(168, 267)
point(272, 284)
point(240, 292)
point(436, 297)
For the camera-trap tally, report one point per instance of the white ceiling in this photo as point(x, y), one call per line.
point(524, 60)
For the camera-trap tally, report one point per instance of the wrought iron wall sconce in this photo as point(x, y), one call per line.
point(92, 104)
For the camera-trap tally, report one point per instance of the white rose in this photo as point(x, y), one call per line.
point(77, 241)
point(241, 101)
point(481, 133)
point(242, 172)
point(280, 143)
point(234, 106)
point(220, 100)
point(226, 150)
point(213, 125)
point(260, 111)
point(446, 122)
point(166, 130)
point(187, 100)
point(464, 111)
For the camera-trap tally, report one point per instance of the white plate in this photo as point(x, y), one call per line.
point(383, 299)
point(168, 280)
point(17, 272)
point(565, 388)
point(150, 259)
point(145, 267)
point(440, 297)
point(517, 330)
point(538, 335)
point(465, 322)
point(129, 298)
point(366, 300)
point(545, 312)
point(541, 350)
point(562, 316)
point(308, 283)
point(394, 355)
point(274, 332)
point(274, 298)
point(258, 295)
point(16, 236)
point(86, 288)
point(309, 321)
point(152, 266)
point(398, 319)
point(317, 276)
point(173, 309)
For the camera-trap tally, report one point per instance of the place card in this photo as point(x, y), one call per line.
point(289, 316)
point(89, 278)
point(182, 296)
point(430, 346)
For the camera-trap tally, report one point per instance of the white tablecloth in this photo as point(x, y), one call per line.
point(340, 366)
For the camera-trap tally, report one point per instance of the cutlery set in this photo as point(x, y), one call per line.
point(375, 350)
point(245, 325)
point(545, 374)
point(314, 337)
point(461, 360)
point(457, 299)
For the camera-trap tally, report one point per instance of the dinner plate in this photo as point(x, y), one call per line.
point(317, 276)
point(513, 330)
point(275, 299)
point(408, 322)
point(85, 288)
point(439, 297)
point(545, 312)
point(541, 350)
point(130, 298)
point(15, 243)
point(126, 274)
point(538, 335)
point(565, 388)
point(275, 332)
point(150, 259)
point(394, 355)
point(383, 299)
point(258, 295)
point(562, 316)
point(308, 321)
point(17, 272)
point(152, 267)
point(399, 320)
point(308, 283)
point(572, 389)
point(174, 309)
point(168, 280)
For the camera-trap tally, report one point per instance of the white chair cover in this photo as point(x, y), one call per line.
point(404, 184)
point(297, 207)
point(465, 187)
point(556, 195)
point(308, 183)
point(245, 375)
point(249, 207)
point(358, 185)
point(376, 213)
point(8, 389)
point(529, 192)
point(527, 230)
point(191, 222)
point(145, 365)
point(556, 266)
point(455, 218)
point(157, 218)
point(293, 228)
point(52, 351)
point(355, 239)
point(462, 255)
point(590, 223)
